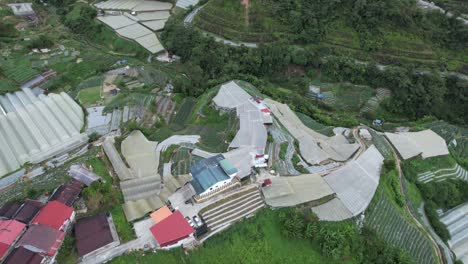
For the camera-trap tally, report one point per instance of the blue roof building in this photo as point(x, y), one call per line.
point(211, 174)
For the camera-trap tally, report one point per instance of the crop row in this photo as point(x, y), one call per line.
point(395, 229)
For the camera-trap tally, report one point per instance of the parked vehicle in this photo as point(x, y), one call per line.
point(190, 221)
point(197, 220)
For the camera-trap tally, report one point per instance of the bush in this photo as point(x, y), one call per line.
point(439, 227)
point(41, 42)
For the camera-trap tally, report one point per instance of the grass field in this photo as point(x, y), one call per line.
point(89, 96)
point(254, 240)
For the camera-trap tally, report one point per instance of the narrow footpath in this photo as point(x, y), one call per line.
point(410, 212)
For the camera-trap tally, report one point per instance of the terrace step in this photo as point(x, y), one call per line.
point(237, 216)
point(227, 207)
point(232, 209)
point(231, 201)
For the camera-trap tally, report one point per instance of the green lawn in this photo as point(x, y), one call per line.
point(89, 96)
point(254, 240)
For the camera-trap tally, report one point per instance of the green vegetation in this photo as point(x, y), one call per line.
point(390, 179)
point(390, 225)
point(445, 194)
point(283, 150)
point(318, 127)
point(453, 134)
point(457, 6)
point(68, 253)
point(6, 86)
point(8, 30)
point(41, 42)
point(394, 33)
point(105, 196)
point(283, 236)
point(89, 96)
point(185, 111)
point(416, 166)
point(230, 19)
point(17, 70)
point(124, 228)
point(167, 154)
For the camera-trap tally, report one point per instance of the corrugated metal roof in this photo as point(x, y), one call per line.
point(22, 255)
point(41, 238)
point(54, 214)
point(207, 173)
point(92, 233)
point(227, 167)
point(172, 229)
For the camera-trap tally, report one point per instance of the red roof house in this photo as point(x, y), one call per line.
point(10, 231)
point(42, 239)
point(54, 214)
point(171, 230)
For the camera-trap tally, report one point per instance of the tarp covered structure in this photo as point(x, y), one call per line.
point(35, 128)
point(354, 185)
point(425, 143)
point(314, 147)
point(295, 190)
point(456, 221)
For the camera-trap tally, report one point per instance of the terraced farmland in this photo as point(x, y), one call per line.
point(183, 160)
point(7, 86)
point(184, 113)
point(381, 144)
point(456, 172)
point(19, 71)
point(395, 229)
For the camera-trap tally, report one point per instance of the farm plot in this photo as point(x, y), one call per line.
point(7, 86)
point(182, 161)
point(164, 107)
point(312, 124)
point(381, 144)
point(149, 75)
point(457, 172)
point(347, 97)
point(133, 99)
point(395, 229)
point(19, 71)
point(182, 116)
